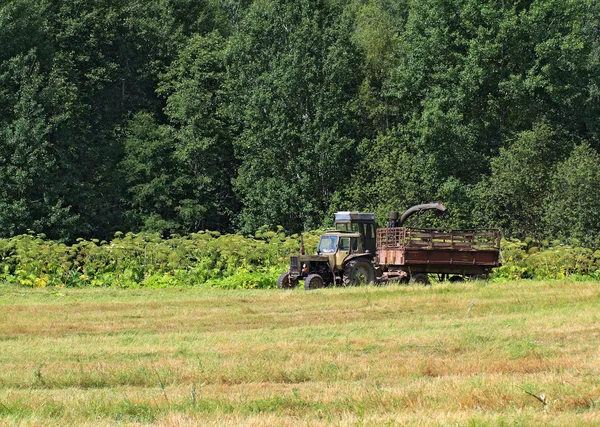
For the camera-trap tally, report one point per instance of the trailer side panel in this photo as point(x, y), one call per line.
point(439, 250)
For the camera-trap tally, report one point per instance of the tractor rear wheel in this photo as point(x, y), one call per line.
point(357, 272)
point(313, 281)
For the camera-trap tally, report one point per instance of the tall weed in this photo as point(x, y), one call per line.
point(147, 260)
point(526, 260)
point(228, 261)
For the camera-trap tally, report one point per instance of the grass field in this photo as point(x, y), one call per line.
point(513, 353)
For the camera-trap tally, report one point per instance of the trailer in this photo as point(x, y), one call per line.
point(406, 253)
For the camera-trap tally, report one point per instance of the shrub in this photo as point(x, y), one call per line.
point(226, 261)
point(522, 260)
point(146, 260)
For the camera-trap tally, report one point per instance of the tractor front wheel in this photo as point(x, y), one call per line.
point(285, 282)
point(313, 281)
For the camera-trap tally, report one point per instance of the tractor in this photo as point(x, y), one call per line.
point(341, 259)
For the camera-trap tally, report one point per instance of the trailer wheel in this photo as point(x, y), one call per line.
point(420, 279)
point(358, 271)
point(313, 281)
point(285, 282)
point(456, 279)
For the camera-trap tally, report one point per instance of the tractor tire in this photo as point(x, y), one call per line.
point(358, 272)
point(420, 279)
point(313, 281)
point(285, 282)
point(456, 279)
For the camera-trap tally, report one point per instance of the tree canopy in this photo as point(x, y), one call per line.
point(178, 115)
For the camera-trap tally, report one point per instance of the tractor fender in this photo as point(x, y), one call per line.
point(350, 257)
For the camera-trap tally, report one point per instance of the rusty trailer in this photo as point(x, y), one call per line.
point(405, 252)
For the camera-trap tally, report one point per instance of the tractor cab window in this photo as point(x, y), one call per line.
point(344, 226)
point(328, 244)
point(345, 244)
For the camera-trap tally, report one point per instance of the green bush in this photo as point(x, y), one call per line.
point(147, 260)
point(245, 279)
point(227, 261)
point(523, 260)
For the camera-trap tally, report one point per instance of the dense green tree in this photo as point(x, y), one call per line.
point(471, 78)
point(32, 194)
point(73, 73)
point(471, 75)
point(294, 77)
point(179, 174)
point(393, 175)
point(572, 206)
point(112, 52)
point(376, 37)
point(178, 115)
point(196, 107)
point(564, 73)
point(34, 105)
point(149, 171)
point(513, 196)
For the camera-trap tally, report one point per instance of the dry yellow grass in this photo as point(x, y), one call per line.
point(525, 353)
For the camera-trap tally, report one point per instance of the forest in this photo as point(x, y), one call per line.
point(177, 116)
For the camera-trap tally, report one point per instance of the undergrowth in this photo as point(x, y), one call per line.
point(229, 261)
point(147, 260)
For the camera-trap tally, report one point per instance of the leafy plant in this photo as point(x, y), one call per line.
point(147, 260)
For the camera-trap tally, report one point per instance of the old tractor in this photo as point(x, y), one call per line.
point(344, 256)
point(340, 260)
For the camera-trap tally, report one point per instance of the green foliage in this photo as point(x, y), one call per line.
point(147, 260)
point(31, 194)
point(178, 174)
point(150, 170)
point(246, 279)
point(180, 115)
point(513, 196)
point(376, 39)
point(294, 75)
point(523, 260)
point(394, 174)
point(573, 205)
point(228, 261)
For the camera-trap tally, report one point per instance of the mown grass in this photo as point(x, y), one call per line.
point(512, 353)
